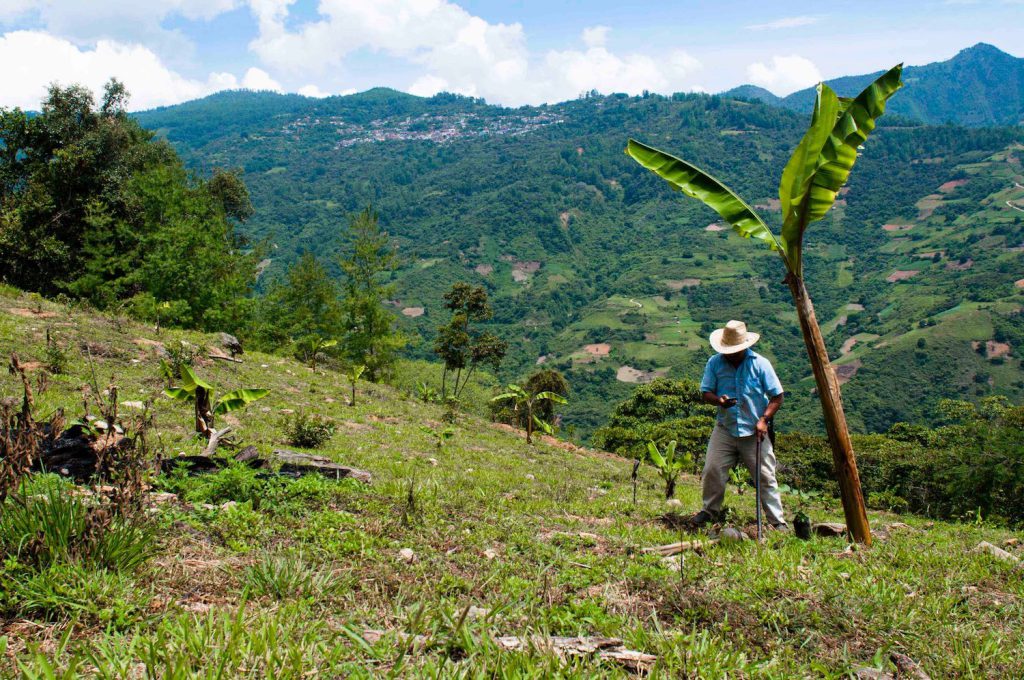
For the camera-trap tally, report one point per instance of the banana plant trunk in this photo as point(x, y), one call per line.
point(835, 419)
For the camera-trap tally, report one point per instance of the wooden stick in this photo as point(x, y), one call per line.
point(215, 435)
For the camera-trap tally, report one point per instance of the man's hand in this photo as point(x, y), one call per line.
point(725, 401)
point(762, 429)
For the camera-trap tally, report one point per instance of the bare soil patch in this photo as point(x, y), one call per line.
point(848, 345)
point(679, 284)
point(413, 312)
point(31, 314)
point(628, 374)
point(995, 349)
point(960, 266)
point(715, 226)
point(948, 187)
point(902, 275)
point(1019, 283)
point(855, 307)
point(846, 371)
point(484, 269)
point(897, 227)
point(599, 349)
point(771, 205)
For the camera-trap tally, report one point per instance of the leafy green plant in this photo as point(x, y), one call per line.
point(56, 357)
point(440, 435)
point(737, 479)
point(461, 346)
point(310, 431)
point(811, 180)
point(287, 576)
point(353, 374)
point(527, 403)
point(196, 391)
point(668, 464)
point(426, 393)
point(311, 347)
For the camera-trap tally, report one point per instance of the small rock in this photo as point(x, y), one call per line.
point(588, 536)
point(469, 471)
point(530, 477)
point(490, 554)
point(829, 529)
point(329, 400)
point(432, 461)
point(863, 673)
point(1011, 542)
point(137, 405)
point(477, 612)
point(998, 553)
point(287, 411)
point(844, 575)
point(673, 562)
point(227, 505)
point(732, 534)
point(407, 555)
point(265, 409)
point(264, 366)
point(162, 497)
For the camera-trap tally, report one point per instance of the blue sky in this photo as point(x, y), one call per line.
point(511, 52)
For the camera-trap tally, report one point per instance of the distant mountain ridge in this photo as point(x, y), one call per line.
point(981, 86)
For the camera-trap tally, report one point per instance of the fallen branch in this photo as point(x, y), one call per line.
point(606, 649)
point(676, 548)
point(224, 357)
point(215, 436)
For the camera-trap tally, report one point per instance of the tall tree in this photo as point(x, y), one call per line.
point(371, 338)
point(811, 180)
point(92, 205)
point(461, 346)
point(307, 303)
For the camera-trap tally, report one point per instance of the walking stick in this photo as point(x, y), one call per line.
point(757, 483)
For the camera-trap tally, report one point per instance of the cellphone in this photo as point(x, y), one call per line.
point(730, 402)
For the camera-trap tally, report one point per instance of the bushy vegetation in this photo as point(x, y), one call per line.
point(308, 430)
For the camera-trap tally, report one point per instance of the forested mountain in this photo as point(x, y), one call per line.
point(596, 269)
point(982, 85)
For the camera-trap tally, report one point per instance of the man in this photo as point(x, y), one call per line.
point(744, 387)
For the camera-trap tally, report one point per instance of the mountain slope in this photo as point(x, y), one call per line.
point(980, 86)
point(598, 270)
point(485, 537)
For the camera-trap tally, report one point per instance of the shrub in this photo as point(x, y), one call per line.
point(55, 526)
point(309, 431)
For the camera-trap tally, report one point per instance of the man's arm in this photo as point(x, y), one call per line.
point(715, 400)
point(774, 404)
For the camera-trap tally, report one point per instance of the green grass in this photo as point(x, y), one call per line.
point(546, 539)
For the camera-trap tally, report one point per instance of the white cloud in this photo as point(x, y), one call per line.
point(85, 22)
point(23, 81)
point(785, 74)
point(258, 79)
point(785, 22)
point(457, 52)
point(313, 91)
point(595, 36)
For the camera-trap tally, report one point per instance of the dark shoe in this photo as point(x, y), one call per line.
point(702, 519)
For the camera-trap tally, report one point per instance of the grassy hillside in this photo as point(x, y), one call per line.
point(579, 247)
point(255, 576)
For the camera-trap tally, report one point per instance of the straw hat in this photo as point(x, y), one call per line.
point(733, 338)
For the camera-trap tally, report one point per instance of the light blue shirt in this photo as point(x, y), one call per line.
point(752, 384)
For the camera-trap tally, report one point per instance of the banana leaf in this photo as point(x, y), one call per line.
point(698, 184)
point(822, 162)
point(232, 401)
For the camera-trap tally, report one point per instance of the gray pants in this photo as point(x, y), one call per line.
point(724, 451)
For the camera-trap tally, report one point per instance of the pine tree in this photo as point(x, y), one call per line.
point(371, 338)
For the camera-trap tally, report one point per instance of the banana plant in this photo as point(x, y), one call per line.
point(310, 346)
point(811, 180)
point(668, 464)
point(355, 371)
point(525, 402)
point(201, 393)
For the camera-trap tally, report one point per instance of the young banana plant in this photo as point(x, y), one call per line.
point(201, 393)
point(812, 178)
point(669, 465)
point(527, 402)
point(355, 371)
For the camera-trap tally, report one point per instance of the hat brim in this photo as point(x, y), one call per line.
point(719, 346)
